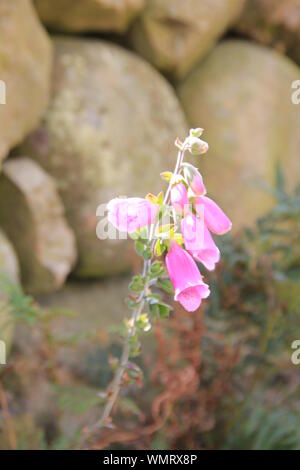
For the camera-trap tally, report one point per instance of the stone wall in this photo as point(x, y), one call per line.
point(97, 116)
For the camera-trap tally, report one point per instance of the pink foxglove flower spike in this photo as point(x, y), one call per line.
point(182, 241)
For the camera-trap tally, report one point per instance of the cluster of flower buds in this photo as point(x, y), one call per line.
point(186, 240)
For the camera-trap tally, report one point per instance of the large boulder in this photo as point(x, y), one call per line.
point(109, 131)
point(9, 273)
point(25, 63)
point(273, 22)
point(175, 34)
point(32, 214)
point(241, 95)
point(88, 15)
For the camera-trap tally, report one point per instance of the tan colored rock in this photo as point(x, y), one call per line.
point(241, 95)
point(88, 15)
point(25, 64)
point(32, 215)
point(274, 23)
point(174, 34)
point(109, 131)
point(9, 272)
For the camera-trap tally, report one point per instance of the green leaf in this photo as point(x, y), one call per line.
point(157, 269)
point(131, 303)
point(143, 323)
point(160, 247)
point(143, 249)
point(167, 176)
point(166, 285)
point(135, 346)
point(160, 198)
point(165, 232)
point(179, 238)
point(137, 284)
point(159, 309)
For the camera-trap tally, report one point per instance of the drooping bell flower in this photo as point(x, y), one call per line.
point(194, 177)
point(197, 185)
point(129, 215)
point(197, 146)
point(186, 278)
point(179, 198)
point(199, 242)
point(214, 218)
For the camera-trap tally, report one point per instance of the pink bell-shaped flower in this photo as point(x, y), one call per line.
point(179, 198)
point(197, 184)
point(129, 215)
point(214, 218)
point(199, 242)
point(186, 278)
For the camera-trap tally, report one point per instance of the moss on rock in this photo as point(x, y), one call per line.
point(25, 65)
point(241, 95)
point(109, 131)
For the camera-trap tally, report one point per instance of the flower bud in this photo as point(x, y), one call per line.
point(179, 198)
point(194, 179)
point(197, 146)
point(196, 132)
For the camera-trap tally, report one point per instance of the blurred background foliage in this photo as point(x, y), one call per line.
point(218, 379)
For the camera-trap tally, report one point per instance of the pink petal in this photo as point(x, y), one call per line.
point(197, 185)
point(199, 242)
point(192, 228)
point(209, 255)
point(191, 297)
point(215, 219)
point(128, 215)
point(179, 198)
point(186, 278)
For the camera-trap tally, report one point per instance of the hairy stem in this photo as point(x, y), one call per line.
point(116, 383)
point(115, 386)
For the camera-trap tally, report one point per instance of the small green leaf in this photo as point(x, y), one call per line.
point(134, 371)
point(160, 198)
point(143, 323)
point(151, 198)
point(143, 249)
point(131, 303)
point(137, 284)
point(159, 309)
point(159, 248)
point(135, 346)
point(167, 176)
point(164, 310)
point(179, 238)
point(157, 269)
point(166, 285)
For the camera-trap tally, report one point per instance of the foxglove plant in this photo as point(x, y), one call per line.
point(172, 232)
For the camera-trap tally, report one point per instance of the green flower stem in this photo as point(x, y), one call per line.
point(114, 388)
point(116, 383)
